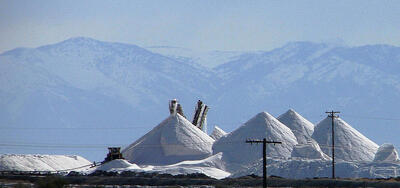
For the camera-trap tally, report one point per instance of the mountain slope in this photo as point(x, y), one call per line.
point(311, 77)
point(81, 91)
point(85, 83)
point(209, 59)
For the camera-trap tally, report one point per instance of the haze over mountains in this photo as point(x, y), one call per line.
point(103, 93)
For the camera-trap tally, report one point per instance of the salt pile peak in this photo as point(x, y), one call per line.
point(309, 150)
point(301, 127)
point(350, 145)
point(263, 125)
point(386, 153)
point(175, 139)
point(217, 133)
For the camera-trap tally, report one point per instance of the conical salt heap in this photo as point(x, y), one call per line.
point(173, 140)
point(237, 153)
point(350, 145)
point(217, 133)
point(386, 153)
point(301, 127)
point(309, 150)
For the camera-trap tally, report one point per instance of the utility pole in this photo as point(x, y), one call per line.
point(264, 142)
point(333, 116)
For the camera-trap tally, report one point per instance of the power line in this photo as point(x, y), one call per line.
point(369, 117)
point(265, 142)
point(333, 116)
point(152, 126)
point(48, 145)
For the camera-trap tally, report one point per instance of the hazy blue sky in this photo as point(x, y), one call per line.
point(201, 24)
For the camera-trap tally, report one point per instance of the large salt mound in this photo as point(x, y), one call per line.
point(237, 153)
point(386, 153)
point(301, 127)
point(19, 162)
point(173, 140)
point(214, 161)
point(310, 168)
point(212, 166)
point(350, 145)
point(118, 165)
point(310, 150)
point(217, 133)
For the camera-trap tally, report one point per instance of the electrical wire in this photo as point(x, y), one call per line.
point(150, 126)
point(97, 146)
point(370, 117)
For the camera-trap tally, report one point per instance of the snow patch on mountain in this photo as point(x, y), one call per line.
point(350, 145)
point(19, 162)
point(301, 127)
point(209, 59)
point(217, 133)
point(173, 140)
point(238, 153)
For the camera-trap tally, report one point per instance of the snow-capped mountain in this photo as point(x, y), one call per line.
point(208, 59)
point(360, 82)
point(82, 83)
point(350, 145)
point(301, 127)
point(90, 89)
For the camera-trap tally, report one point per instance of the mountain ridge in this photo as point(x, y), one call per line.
point(84, 81)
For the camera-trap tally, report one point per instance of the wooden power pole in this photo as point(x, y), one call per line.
point(333, 116)
point(264, 142)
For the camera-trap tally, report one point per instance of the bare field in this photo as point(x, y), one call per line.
point(193, 180)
